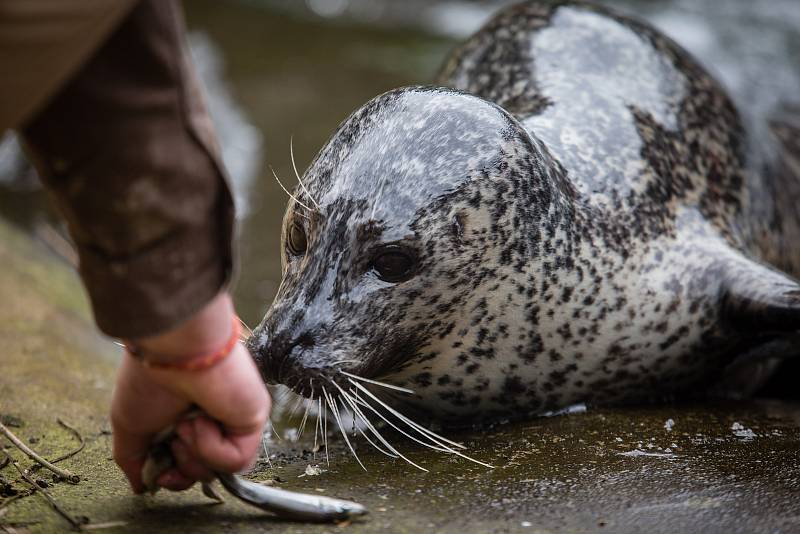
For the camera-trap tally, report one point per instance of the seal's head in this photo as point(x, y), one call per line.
point(393, 240)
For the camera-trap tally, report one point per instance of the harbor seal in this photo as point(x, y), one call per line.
point(574, 214)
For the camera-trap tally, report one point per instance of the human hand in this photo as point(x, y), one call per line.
point(149, 399)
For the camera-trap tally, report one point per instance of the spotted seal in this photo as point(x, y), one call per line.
point(576, 215)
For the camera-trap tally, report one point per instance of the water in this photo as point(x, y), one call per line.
point(279, 69)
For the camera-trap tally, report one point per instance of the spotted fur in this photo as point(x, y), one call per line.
point(589, 219)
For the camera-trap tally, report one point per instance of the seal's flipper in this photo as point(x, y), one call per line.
point(760, 300)
point(762, 305)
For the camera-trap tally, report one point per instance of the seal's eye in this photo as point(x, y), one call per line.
point(296, 240)
point(393, 265)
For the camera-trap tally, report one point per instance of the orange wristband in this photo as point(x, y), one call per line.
point(197, 362)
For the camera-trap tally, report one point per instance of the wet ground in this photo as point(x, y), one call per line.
point(732, 467)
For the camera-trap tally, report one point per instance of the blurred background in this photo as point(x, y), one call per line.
point(277, 70)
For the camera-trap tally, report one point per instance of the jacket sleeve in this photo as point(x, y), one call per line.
point(128, 152)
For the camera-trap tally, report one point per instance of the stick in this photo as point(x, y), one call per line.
point(74, 433)
point(107, 524)
point(63, 473)
point(46, 496)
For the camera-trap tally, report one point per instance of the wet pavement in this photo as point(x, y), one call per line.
point(723, 467)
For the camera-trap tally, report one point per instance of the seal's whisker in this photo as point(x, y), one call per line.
point(282, 395)
point(357, 413)
point(288, 193)
point(419, 428)
point(297, 404)
point(356, 399)
point(388, 445)
point(300, 181)
point(266, 452)
point(304, 420)
point(337, 416)
point(430, 441)
point(415, 426)
point(275, 431)
point(376, 446)
point(378, 383)
point(396, 453)
point(438, 447)
point(432, 436)
point(317, 425)
point(244, 324)
point(279, 398)
point(325, 431)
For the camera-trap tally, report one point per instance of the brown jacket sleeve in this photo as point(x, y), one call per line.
point(128, 152)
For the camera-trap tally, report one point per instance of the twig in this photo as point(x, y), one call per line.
point(74, 433)
point(63, 473)
point(46, 496)
point(103, 526)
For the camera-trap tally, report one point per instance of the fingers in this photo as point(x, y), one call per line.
point(129, 454)
point(188, 463)
point(218, 450)
point(150, 399)
point(140, 409)
point(174, 480)
point(237, 405)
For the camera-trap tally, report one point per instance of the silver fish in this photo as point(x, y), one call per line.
point(290, 504)
point(285, 504)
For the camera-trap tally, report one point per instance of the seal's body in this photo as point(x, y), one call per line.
point(579, 217)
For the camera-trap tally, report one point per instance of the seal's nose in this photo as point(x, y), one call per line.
point(272, 352)
point(269, 350)
point(257, 341)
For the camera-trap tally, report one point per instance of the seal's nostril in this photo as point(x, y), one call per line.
point(304, 340)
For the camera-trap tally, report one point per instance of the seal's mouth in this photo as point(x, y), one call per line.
point(370, 403)
point(338, 386)
point(305, 364)
point(309, 382)
point(298, 366)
